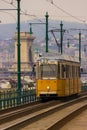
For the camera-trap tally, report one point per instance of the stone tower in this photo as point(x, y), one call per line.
point(26, 51)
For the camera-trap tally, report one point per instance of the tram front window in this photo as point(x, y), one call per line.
point(47, 71)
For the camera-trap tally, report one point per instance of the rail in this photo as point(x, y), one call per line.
point(42, 116)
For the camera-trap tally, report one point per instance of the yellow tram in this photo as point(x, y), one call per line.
point(57, 76)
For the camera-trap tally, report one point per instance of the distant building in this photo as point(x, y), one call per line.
point(26, 52)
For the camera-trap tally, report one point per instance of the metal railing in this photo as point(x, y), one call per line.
point(11, 98)
point(84, 87)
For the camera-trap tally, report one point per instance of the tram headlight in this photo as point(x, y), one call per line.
point(48, 87)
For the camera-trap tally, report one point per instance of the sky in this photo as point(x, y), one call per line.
point(65, 10)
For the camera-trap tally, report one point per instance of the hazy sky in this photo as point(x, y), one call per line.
point(70, 10)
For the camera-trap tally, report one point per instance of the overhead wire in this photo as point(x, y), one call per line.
point(23, 12)
point(51, 2)
point(9, 14)
point(64, 11)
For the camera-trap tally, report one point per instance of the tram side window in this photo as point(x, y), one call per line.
point(76, 71)
point(58, 70)
point(63, 71)
point(67, 71)
point(73, 71)
point(70, 71)
point(79, 71)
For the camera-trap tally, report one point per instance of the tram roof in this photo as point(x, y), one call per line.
point(51, 56)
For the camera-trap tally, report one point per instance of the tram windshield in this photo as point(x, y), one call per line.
point(47, 71)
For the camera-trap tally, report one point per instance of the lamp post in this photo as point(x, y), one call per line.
point(46, 31)
point(80, 47)
point(18, 49)
point(68, 43)
point(61, 37)
point(31, 29)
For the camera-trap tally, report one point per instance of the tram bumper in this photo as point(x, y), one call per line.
point(48, 94)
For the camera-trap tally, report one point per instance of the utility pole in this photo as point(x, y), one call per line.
point(18, 50)
point(74, 29)
point(61, 37)
point(80, 47)
point(46, 31)
point(68, 43)
point(31, 29)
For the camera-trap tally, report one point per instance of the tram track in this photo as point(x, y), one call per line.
point(13, 114)
point(69, 113)
point(19, 119)
point(59, 116)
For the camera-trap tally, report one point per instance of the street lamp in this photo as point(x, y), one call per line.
point(18, 48)
point(68, 43)
point(46, 31)
point(61, 37)
point(80, 47)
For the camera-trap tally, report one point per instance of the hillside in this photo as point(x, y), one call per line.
point(8, 30)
